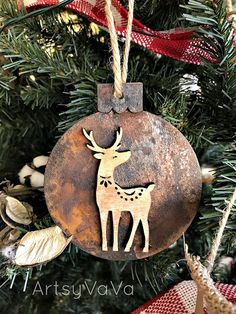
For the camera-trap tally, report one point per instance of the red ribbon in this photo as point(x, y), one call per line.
point(179, 44)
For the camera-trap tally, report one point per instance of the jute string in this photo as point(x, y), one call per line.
point(215, 301)
point(216, 243)
point(200, 273)
point(231, 11)
point(229, 5)
point(120, 74)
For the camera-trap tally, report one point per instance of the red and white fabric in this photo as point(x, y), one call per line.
point(179, 44)
point(181, 299)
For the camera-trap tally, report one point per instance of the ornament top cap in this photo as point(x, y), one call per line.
point(132, 98)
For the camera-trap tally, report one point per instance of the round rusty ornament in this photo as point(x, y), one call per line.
point(160, 154)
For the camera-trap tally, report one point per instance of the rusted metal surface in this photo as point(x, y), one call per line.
point(160, 154)
point(132, 99)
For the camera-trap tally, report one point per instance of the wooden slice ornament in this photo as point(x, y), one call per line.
point(124, 183)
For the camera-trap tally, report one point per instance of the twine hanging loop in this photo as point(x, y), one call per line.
point(120, 73)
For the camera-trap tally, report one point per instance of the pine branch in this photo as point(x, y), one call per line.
point(223, 187)
point(217, 81)
point(23, 135)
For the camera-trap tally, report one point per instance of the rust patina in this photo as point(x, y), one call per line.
point(160, 154)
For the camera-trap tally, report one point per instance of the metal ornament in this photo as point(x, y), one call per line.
point(136, 195)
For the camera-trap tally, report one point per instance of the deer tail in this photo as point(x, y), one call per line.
point(151, 187)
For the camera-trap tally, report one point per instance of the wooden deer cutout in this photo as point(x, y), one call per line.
point(111, 197)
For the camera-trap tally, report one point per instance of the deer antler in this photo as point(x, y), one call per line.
point(119, 134)
point(95, 146)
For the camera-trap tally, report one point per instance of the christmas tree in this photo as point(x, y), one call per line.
point(51, 64)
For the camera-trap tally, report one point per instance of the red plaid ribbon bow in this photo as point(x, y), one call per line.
point(179, 44)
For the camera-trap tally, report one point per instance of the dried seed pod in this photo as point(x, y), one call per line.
point(14, 212)
point(41, 246)
point(6, 219)
point(8, 242)
point(8, 236)
point(19, 212)
point(4, 231)
point(208, 174)
point(12, 236)
point(17, 187)
point(11, 187)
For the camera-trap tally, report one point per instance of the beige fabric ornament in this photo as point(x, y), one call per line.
point(41, 246)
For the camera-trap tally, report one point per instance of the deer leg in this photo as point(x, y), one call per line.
point(116, 220)
point(131, 238)
point(103, 217)
point(146, 234)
